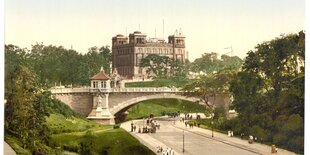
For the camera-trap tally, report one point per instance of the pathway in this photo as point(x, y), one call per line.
point(7, 150)
point(197, 140)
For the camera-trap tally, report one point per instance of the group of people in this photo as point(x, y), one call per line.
point(167, 151)
point(251, 138)
point(230, 133)
point(151, 126)
point(191, 124)
point(133, 127)
point(188, 116)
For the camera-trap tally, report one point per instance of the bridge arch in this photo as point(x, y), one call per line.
point(128, 103)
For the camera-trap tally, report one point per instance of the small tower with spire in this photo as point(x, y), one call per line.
point(100, 86)
point(100, 80)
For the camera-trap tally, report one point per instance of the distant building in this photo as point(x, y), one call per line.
point(127, 54)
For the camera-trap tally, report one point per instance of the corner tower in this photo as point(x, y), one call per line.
point(178, 42)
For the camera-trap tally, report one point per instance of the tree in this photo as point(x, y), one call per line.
point(156, 65)
point(96, 58)
point(24, 111)
point(209, 63)
point(209, 87)
point(55, 64)
point(269, 91)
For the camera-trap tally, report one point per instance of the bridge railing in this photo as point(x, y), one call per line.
point(94, 90)
point(69, 90)
point(145, 89)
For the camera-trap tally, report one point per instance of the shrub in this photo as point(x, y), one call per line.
point(116, 126)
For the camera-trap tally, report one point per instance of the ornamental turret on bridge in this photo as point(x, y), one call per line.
point(100, 88)
point(100, 80)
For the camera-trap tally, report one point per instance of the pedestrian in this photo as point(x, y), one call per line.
point(131, 126)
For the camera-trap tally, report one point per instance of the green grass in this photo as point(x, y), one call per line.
point(113, 141)
point(67, 134)
point(16, 145)
point(59, 124)
point(158, 106)
point(74, 131)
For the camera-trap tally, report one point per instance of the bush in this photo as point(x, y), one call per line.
point(71, 148)
point(86, 147)
point(259, 132)
point(116, 126)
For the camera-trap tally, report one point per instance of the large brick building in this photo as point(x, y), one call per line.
point(127, 54)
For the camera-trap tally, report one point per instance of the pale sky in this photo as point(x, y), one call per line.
point(209, 25)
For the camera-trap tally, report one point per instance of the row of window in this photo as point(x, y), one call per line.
point(155, 50)
point(148, 50)
point(102, 84)
point(124, 61)
point(124, 51)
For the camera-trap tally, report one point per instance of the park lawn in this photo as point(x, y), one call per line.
point(57, 123)
point(159, 106)
point(16, 145)
point(69, 133)
point(112, 141)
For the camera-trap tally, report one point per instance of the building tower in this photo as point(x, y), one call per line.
point(127, 54)
point(178, 42)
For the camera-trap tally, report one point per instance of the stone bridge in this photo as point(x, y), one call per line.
point(85, 100)
point(101, 105)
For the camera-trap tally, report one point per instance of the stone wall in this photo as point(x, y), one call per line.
point(79, 102)
point(83, 102)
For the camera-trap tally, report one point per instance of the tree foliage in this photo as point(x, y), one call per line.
point(25, 110)
point(210, 86)
point(55, 64)
point(269, 91)
point(210, 63)
point(28, 73)
point(163, 66)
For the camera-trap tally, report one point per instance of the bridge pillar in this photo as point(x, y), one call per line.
point(100, 111)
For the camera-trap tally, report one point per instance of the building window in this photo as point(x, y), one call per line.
point(94, 84)
point(102, 86)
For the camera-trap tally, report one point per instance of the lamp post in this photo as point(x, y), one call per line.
point(183, 143)
point(212, 122)
point(212, 126)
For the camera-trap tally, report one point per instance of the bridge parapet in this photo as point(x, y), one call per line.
point(69, 90)
point(146, 89)
point(116, 90)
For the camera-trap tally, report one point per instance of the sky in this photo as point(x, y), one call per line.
point(209, 25)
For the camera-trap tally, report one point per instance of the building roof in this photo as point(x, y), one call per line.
point(100, 76)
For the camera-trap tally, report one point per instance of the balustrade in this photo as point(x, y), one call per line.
point(94, 90)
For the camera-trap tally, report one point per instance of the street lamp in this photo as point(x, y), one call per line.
point(183, 143)
point(212, 126)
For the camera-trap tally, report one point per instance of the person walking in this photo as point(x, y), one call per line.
point(131, 126)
